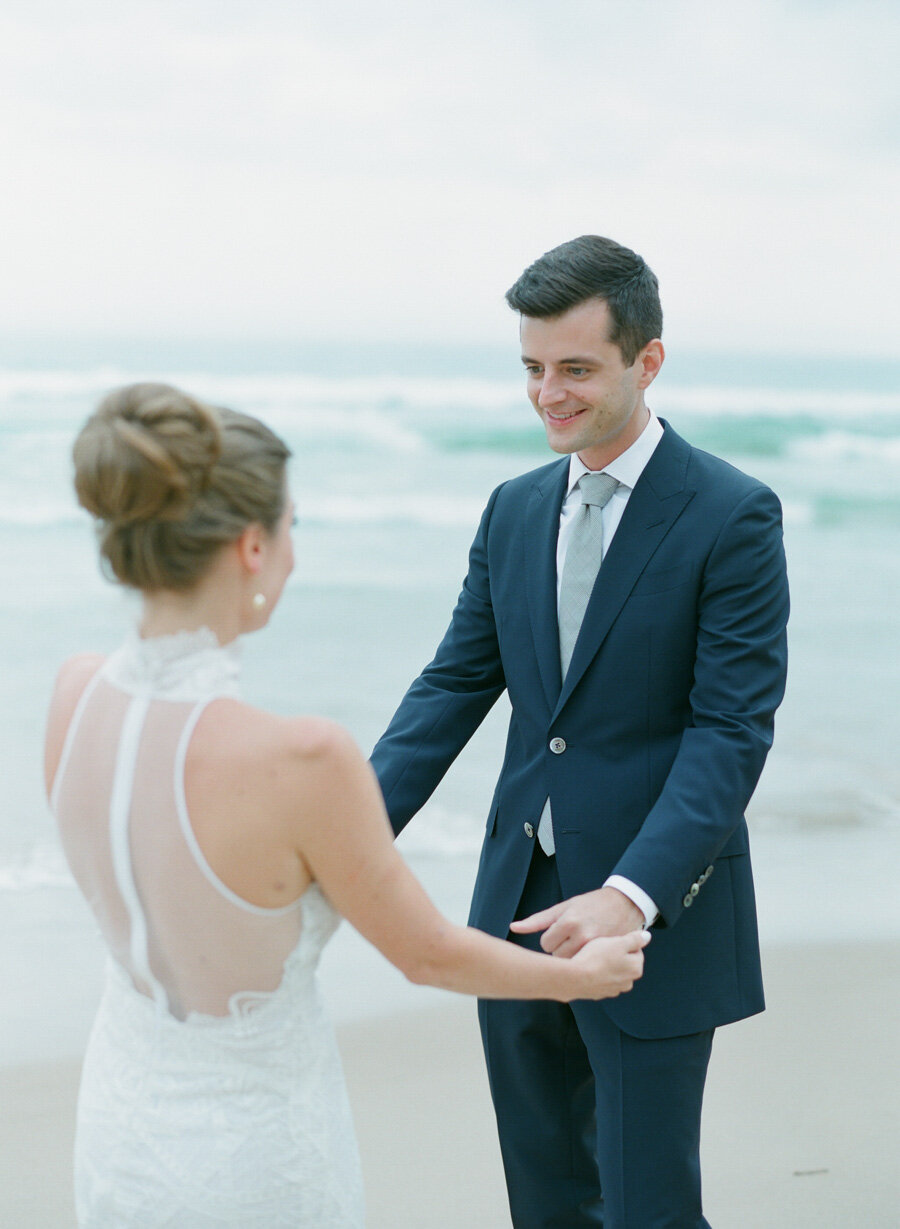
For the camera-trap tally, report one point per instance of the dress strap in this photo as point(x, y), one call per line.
point(187, 830)
point(70, 737)
point(119, 816)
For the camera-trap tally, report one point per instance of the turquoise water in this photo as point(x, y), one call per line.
point(396, 453)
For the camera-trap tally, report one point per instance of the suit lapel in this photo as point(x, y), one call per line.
point(541, 533)
point(658, 499)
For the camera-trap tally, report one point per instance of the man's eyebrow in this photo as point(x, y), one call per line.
point(576, 361)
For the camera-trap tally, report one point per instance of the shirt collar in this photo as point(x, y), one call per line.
point(629, 465)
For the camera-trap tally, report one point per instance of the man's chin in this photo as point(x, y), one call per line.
point(563, 447)
point(567, 436)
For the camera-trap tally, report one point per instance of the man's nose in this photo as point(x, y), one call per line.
point(551, 393)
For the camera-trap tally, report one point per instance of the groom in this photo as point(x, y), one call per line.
point(631, 598)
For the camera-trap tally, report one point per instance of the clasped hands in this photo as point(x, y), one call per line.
point(572, 923)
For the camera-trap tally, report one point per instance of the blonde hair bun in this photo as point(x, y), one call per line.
point(171, 480)
point(145, 454)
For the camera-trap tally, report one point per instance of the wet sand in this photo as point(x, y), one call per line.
point(801, 1125)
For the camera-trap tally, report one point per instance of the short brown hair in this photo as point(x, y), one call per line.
point(171, 480)
point(592, 267)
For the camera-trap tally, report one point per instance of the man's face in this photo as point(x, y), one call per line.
point(587, 399)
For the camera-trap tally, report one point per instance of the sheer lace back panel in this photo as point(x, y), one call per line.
point(184, 938)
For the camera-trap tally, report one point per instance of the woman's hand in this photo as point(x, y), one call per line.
point(611, 966)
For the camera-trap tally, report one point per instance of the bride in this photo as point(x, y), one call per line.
point(217, 845)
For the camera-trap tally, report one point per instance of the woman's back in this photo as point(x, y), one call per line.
point(207, 993)
point(119, 797)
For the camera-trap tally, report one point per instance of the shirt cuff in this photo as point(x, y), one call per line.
point(636, 895)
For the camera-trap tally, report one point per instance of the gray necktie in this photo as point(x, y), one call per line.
point(583, 558)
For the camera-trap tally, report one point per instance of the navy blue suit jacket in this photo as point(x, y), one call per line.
point(666, 714)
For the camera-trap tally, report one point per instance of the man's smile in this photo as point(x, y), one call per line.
point(563, 417)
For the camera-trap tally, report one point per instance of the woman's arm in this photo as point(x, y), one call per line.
point(343, 836)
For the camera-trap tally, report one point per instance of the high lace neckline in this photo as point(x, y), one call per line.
point(187, 665)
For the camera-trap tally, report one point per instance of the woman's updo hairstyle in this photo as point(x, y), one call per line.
point(171, 480)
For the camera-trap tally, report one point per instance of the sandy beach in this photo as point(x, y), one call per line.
point(800, 1130)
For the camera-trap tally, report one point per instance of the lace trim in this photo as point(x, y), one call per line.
point(188, 665)
point(250, 1007)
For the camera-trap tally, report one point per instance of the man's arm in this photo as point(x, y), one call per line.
point(450, 698)
point(739, 677)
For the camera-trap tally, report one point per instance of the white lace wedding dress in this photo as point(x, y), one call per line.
point(212, 1093)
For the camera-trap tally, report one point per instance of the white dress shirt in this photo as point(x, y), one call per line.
point(626, 469)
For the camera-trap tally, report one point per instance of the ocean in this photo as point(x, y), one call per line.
point(396, 451)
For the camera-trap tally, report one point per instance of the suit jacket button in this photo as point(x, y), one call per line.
point(529, 830)
point(557, 745)
point(688, 901)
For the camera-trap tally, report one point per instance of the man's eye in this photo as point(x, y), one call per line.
point(532, 371)
point(578, 371)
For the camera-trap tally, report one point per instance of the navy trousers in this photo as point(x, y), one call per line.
point(596, 1127)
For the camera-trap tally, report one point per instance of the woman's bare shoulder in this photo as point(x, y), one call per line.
point(76, 672)
point(71, 679)
point(304, 743)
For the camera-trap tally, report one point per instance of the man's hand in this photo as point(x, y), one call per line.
point(574, 922)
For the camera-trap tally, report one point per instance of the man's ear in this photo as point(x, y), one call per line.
point(251, 548)
point(650, 359)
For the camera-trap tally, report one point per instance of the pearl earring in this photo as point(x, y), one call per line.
point(259, 601)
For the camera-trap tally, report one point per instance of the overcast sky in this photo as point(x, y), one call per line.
point(373, 171)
